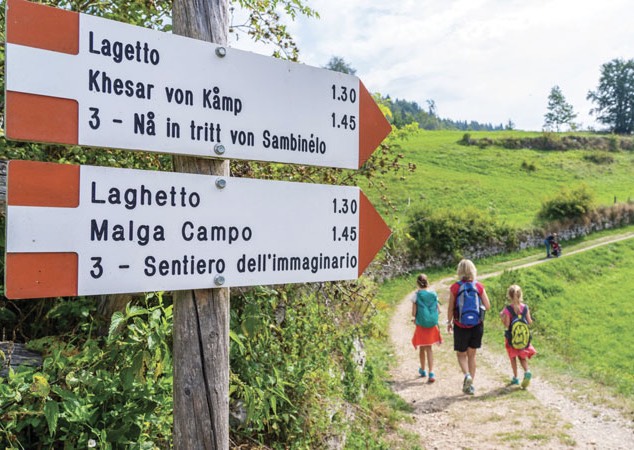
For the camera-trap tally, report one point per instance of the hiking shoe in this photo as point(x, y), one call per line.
point(467, 384)
point(422, 372)
point(527, 380)
point(432, 378)
point(515, 381)
point(470, 390)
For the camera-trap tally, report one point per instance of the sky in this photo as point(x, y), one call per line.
point(486, 60)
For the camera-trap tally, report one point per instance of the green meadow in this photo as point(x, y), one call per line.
point(582, 304)
point(583, 309)
point(451, 175)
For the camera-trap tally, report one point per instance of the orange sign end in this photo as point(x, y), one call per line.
point(373, 232)
point(373, 126)
point(45, 27)
point(41, 275)
point(33, 183)
point(39, 118)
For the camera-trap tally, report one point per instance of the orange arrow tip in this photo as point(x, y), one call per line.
point(373, 126)
point(373, 232)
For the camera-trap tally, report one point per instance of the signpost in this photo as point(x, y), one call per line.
point(79, 79)
point(82, 230)
point(78, 230)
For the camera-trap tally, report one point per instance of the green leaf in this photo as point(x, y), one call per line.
point(236, 338)
point(40, 387)
point(51, 411)
point(115, 322)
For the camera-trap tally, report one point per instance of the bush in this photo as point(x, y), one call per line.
point(294, 363)
point(567, 204)
point(599, 158)
point(452, 234)
point(529, 166)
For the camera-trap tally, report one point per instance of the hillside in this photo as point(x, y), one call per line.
point(581, 395)
point(499, 180)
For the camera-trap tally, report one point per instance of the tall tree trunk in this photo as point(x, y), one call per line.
point(201, 317)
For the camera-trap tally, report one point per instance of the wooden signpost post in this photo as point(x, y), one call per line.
point(76, 79)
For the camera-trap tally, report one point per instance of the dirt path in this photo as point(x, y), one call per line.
point(546, 415)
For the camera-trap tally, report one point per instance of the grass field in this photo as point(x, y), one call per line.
point(451, 175)
point(583, 310)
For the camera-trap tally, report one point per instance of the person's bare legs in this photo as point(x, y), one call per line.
point(467, 363)
point(421, 355)
point(514, 367)
point(471, 360)
point(463, 362)
point(430, 358)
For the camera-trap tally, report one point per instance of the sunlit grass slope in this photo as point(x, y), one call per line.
point(583, 311)
point(450, 175)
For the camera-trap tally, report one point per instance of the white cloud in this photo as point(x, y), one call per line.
point(484, 60)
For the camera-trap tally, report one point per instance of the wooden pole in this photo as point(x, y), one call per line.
point(201, 317)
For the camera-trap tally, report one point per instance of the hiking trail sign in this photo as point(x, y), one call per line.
point(83, 230)
point(78, 79)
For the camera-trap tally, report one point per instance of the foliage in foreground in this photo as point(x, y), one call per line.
point(113, 391)
point(299, 376)
point(299, 369)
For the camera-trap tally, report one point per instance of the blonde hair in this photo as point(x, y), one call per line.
point(467, 270)
point(422, 281)
point(514, 294)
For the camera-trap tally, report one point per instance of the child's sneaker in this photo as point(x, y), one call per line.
point(515, 381)
point(467, 384)
point(527, 380)
point(432, 378)
point(422, 372)
point(470, 390)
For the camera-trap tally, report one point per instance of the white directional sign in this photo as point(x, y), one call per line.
point(82, 230)
point(77, 79)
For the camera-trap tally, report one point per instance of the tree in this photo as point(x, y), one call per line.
point(338, 64)
point(560, 112)
point(614, 97)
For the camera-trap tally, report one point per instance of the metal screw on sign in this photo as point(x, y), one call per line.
point(221, 52)
point(219, 280)
point(219, 149)
point(221, 183)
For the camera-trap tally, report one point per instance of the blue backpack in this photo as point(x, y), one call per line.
point(426, 309)
point(469, 304)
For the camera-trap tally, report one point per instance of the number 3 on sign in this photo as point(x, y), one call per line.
point(94, 121)
point(97, 268)
point(345, 234)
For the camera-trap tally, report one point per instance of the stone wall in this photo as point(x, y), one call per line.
point(604, 218)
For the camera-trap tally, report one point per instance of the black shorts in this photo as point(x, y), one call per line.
point(464, 338)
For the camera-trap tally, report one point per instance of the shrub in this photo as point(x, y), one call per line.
point(452, 234)
point(599, 158)
point(293, 364)
point(567, 204)
point(529, 166)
